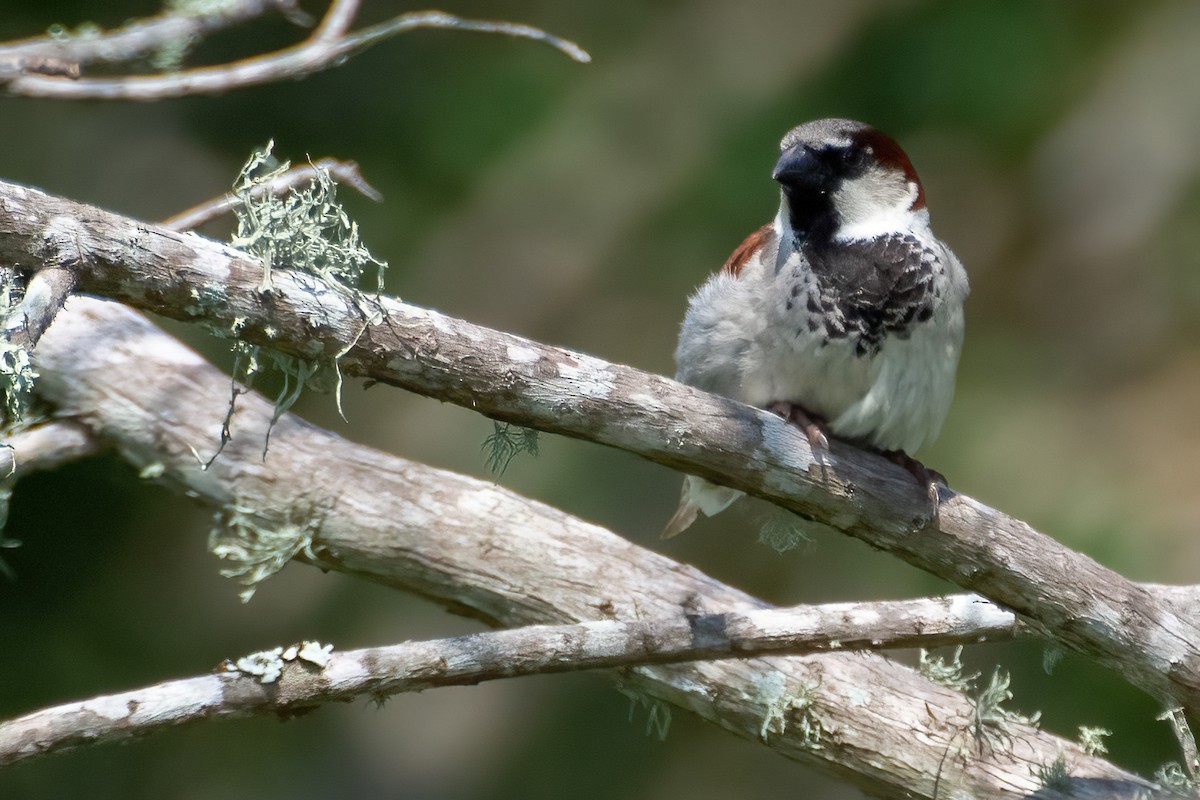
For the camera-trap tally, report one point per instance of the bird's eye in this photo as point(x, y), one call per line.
point(853, 157)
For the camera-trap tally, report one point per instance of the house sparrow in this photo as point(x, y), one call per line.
point(844, 314)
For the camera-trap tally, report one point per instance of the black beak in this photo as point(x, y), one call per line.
point(799, 167)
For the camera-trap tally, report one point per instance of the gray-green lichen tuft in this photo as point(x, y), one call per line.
point(991, 720)
point(506, 443)
point(783, 531)
point(1172, 777)
point(792, 707)
point(268, 665)
point(946, 673)
point(658, 713)
point(304, 230)
point(254, 550)
point(200, 8)
point(1092, 740)
point(16, 370)
point(1056, 775)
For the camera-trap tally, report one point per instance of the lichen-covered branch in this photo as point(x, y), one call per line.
point(52, 70)
point(1075, 600)
point(480, 549)
point(299, 682)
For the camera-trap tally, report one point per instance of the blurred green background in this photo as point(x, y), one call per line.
point(580, 205)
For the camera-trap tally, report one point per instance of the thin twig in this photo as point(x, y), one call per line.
point(337, 21)
point(344, 172)
point(415, 666)
point(437, 19)
point(45, 295)
point(131, 41)
point(46, 446)
point(318, 52)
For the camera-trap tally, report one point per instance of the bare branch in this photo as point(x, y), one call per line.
point(44, 296)
point(1075, 600)
point(329, 46)
point(337, 21)
point(133, 40)
point(45, 447)
point(344, 172)
point(512, 561)
point(464, 660)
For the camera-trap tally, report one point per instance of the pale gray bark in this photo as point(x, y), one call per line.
point(416, 666)
point(46, 446)
point(44, 296)
point(1075, 600)
point(480, 549)
point(66, 54)
point(51, 69)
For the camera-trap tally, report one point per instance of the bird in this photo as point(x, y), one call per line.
point(844, 314)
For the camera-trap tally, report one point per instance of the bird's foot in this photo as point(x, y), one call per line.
point(812, 425)
point(931, 479)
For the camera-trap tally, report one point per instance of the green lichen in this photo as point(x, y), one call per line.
point(1056, 775)
point(82, 31)
point(256, 550)
point(307, 231)
point(1092, 740)
point(200, 8)
point(658, 713)
point(790, 706)
point(782, 532)
point(990, 723)
point(169, 57)
point(17, 375)
point(303, 229)
point(991, 720)
point(1052, 654)
point(1172, 777)
point(946, 673)
point(506, 443)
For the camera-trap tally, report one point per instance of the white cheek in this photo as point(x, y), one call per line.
point(873, 204)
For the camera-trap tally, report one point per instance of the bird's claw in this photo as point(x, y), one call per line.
point(931, 479)
point(812, 425)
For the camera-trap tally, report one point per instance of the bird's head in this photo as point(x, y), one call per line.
point(844, 179)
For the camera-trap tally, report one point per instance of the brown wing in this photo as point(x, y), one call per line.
point(754, 242)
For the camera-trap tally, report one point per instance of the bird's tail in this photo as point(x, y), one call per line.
point(698, 495)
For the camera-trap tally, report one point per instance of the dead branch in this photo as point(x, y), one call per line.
point(1073, 599)
point(45, 447)
point(512, 561)
point(51, 70)
point(66, 54)
point(43, 297)
point(466, 660)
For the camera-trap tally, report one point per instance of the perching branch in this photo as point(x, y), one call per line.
point(480, 549)
point(1076, 601)
point(330, 45)
point(464, 660)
